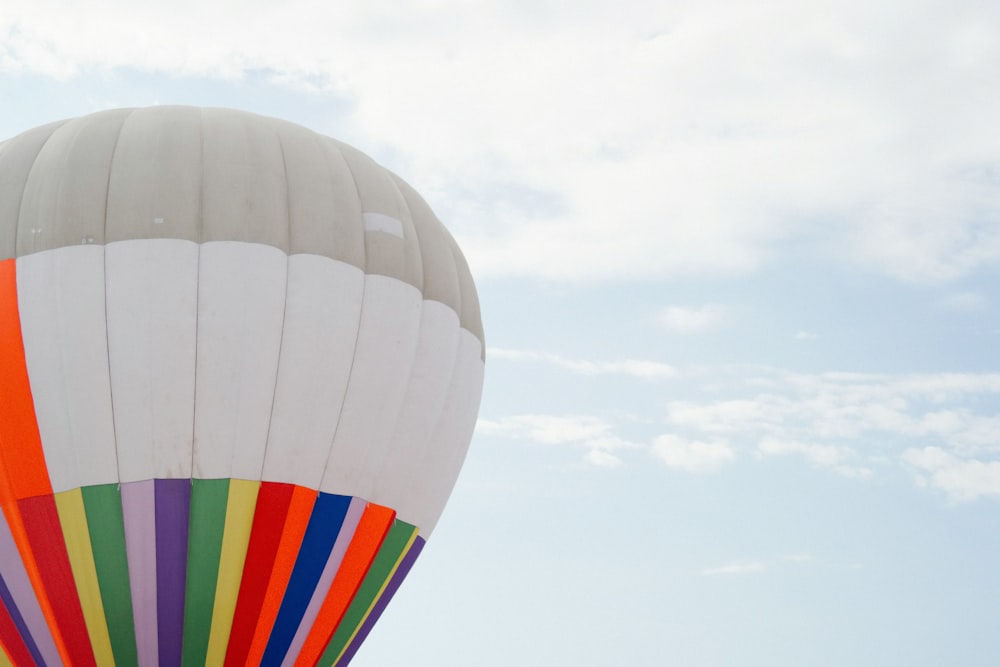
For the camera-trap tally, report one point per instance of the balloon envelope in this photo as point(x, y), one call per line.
point(240, 365)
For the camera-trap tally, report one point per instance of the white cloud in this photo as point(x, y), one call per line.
point(965, 301)
point(839, 406)
point(692, 456)
point(824, 456)
point(602, 458)
point(805, 335)
point(798, 558)
point(743, 567)
point(594, 435)
point(688, 319)
point(602, 142)
point(640, 368)
point(856, 424)
point(821, 455)
point(959, 479)
point(853, 424)
point(547, 429)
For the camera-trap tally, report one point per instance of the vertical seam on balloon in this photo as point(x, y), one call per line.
point(107, 205)
point(413, 360)
point(325, 148)
point(462, 267)
point(200, 222)
point(410, 367)
point(277, 372)
point(194, 380)
point(453, 378)
point(74, 133)
point(27, 178)
point(416, 235)
point(288, 191)
point(457, 264)
point(361, 318)
point(284, 316)
point(347, 386)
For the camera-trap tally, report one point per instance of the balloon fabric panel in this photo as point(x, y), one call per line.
point(397, 542)
point(274, 508)
point(368, 536)
point(25, 491)
point(11, 634)
point(73, 518)
point(240, 507)
point(106, 524)
point(327, 521)
point(402, 568)
point(345, 538)
point(239, 369)
point(22, 605)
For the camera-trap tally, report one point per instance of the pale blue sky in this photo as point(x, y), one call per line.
point(739, 268)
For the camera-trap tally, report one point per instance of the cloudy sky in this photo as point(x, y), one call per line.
point(740, 272)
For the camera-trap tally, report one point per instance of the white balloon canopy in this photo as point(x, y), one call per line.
point(240, 366)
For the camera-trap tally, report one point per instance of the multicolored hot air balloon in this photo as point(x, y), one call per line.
point(240, 365)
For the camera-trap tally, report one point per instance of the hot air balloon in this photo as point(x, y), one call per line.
point(240, 366)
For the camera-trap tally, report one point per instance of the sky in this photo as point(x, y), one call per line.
point(739, 266)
